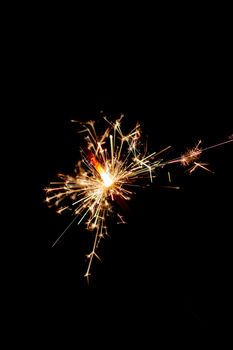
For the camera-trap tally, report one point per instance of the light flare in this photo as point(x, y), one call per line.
point(105, 175)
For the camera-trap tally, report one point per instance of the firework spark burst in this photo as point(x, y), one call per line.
point(111, 166)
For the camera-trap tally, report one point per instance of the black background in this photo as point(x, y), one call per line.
point(168, 267)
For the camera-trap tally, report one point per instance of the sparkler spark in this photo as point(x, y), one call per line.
point(111, 166)
point(191, 155)
point(190, 158)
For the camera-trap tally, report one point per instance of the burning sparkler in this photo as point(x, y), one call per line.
point(111, 165)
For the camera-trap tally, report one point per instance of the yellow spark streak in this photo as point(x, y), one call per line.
point(112, 150)
point(169, 176)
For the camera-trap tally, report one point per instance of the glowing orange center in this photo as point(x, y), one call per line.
point(105, 176)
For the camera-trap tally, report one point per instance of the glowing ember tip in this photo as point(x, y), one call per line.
point(107, 179)
point(105, 176)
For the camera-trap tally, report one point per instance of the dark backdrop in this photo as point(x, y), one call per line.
point(169, 265)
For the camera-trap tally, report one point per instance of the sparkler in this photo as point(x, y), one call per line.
point(111, 166)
